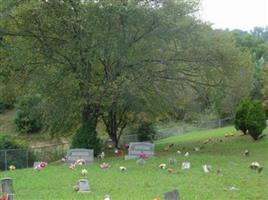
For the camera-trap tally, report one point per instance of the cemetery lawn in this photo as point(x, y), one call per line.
point(145, 183)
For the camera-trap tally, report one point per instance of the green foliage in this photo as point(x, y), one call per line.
point(242, 114)
point(8, 142)
point(250, 117)
point(28, 118)
point(4, 107)
point(152, 50)
point(146, 132)
point(86, 137)
point(256, 120)
point(16, 154)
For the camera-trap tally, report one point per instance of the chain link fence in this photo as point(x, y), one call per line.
point(185, 128)
point(24, 158)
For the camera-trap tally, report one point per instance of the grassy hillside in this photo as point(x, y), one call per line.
point(145, 183)
point(8, 127)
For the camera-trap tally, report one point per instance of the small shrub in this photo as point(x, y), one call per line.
point(146, 132)
point(86, 137)
point(28, 118)
point(241, 115)
point(256, 120)
point(250, 117)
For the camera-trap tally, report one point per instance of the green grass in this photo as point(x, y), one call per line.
point(144, 183)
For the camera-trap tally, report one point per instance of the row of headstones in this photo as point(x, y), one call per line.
point(134, 150)
point(88, 155)
point(7, 188)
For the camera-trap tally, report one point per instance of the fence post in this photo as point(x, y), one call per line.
point(220, 123)
point(5, 160)
point(27, 158)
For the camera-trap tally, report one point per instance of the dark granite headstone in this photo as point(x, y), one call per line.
point(172, 195)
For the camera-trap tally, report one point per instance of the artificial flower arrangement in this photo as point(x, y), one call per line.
point(84, 172)
point(12, 167)
point(122, 168)
point(104, 165)
point(40, 166)
point(162, 166)
point(3, 197)
point(78, 162)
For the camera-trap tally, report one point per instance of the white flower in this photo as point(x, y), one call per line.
point(101, 156)
point(122, 168)
point(255, 165)
point(186, 154)
point(179, 152)
point(72, 166)
point(196, 149)
point(84, 172)
point(107, 197)
point(162, 166)
point(104, 165)
point(207, 168)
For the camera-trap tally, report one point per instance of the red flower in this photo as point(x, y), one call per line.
point(142, 155)
point(4, 197)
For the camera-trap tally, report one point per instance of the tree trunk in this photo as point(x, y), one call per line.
point(112, 126)
point(90, 115)
point(86, 136)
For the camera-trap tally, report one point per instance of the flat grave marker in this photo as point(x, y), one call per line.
point(172, 195)
point(83, 185)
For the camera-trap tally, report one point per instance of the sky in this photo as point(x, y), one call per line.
point(235, 14)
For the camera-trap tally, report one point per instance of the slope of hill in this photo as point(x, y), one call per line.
point(230, 178)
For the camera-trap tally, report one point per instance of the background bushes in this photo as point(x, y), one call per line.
point(28, 117)
point(14, 152)
point(146, 132)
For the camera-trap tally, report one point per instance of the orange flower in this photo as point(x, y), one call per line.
point(157, 198)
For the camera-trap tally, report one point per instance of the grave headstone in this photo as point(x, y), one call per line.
point(172, 195)
point(7, 187)
point(76, 154)
point(83, 185)
point(186, 165)
point(36, 164)
point(137, 148)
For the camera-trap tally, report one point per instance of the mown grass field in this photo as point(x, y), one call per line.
point(144, 183)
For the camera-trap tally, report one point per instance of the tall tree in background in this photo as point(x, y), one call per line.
point(113, 58)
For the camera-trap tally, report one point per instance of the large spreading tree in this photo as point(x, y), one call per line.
point(111, 59)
